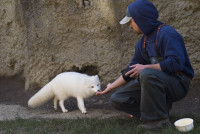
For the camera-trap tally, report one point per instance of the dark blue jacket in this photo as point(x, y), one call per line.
point(170, 43)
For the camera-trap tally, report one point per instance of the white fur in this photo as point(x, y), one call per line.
point(65, 85)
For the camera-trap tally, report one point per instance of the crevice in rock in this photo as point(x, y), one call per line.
point(86, 69)
point(86, 3)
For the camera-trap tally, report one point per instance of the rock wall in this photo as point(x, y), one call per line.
point(41, 38)
point(12, 38)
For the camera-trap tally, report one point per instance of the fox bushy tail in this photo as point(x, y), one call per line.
point(42, 96)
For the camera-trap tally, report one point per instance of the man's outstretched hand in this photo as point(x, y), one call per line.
point(106, 90)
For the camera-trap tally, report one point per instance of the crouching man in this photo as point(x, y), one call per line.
point(159, 72)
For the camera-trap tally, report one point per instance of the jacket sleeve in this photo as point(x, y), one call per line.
point(172, 48)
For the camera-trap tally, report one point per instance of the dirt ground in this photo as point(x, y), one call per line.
point(13, 104)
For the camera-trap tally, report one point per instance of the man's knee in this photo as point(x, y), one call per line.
point(147, 78)
point(113, 99)
point(151, 81)
point(146, 73)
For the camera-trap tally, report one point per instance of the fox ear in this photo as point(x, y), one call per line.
point(96, 76)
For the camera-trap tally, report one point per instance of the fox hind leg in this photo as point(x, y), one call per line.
point(81, 105)
point(61, 103)
point(55, 103)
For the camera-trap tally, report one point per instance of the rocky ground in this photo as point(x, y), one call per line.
point(13, 104)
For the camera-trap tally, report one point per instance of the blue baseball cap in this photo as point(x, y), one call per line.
point(127, 18)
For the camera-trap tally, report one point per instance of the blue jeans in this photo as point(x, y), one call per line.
point(149, 95)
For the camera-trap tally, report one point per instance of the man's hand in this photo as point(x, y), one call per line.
point(120, 81)
point(106, 90)
point(139, 67)
point(136, 69)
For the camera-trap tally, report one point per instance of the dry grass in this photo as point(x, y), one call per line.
point(86, 126)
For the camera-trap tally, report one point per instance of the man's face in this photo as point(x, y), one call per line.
point(135, 27)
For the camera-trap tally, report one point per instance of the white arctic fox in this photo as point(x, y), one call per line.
point(65, 85)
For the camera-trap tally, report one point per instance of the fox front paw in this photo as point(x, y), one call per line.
point(84, 112)
point(65, 111)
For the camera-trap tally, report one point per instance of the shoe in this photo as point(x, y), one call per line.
point(130, 116)
point(153, 125)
